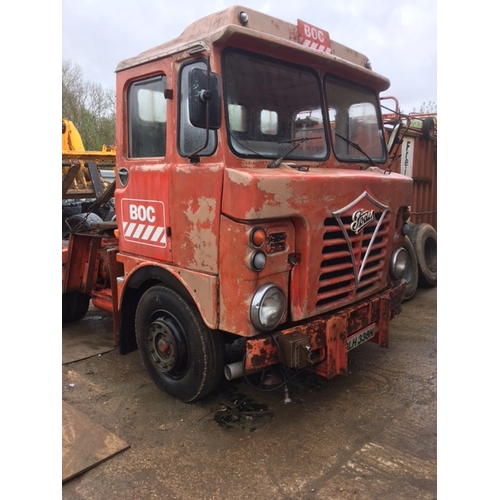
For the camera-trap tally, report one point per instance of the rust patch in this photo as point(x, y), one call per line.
point(260, 353)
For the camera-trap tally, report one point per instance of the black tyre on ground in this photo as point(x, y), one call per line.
point(424, 240)
point(182, 356)
point(74, 306)
point(411, 274)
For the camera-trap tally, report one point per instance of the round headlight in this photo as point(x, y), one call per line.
point(399, 262)
point(268, 307)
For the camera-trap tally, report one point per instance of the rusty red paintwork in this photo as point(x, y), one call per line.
point(81, 267)
point(328, 335)
point(90, 267)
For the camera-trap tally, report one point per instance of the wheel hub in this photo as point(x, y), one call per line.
point(162, 345)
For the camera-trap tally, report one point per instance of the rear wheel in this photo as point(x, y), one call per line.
point(74, 306)
point(428, 128)
point(182, 356)
point(411, 274)
point(424, 240)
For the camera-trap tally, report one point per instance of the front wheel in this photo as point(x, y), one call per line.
point(182, 356)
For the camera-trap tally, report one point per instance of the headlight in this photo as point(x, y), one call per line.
point(399, 262)
point(268, 307)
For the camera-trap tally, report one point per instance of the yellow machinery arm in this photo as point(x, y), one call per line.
point(80, 168)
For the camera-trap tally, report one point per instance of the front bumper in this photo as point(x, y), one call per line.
point(321, 344)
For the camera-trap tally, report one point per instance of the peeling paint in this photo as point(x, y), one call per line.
point(280, 190)
point(190, 170)
point(151, 168)
point(238, 177)
point(181, 169)
point(204, 212)
point(201, 214)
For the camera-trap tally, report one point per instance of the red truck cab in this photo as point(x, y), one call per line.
point(250, 204)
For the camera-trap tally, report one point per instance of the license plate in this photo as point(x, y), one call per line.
point(361, 337)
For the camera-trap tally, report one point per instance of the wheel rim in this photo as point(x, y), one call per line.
point(409, 273)
point(166, 346)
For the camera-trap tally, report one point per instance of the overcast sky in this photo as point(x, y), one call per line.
point(399, 38)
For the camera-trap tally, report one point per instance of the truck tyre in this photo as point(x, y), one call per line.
point(428, 128)
point(411, 274)
point(74, 306)
point(182, 356)
point(424, 240)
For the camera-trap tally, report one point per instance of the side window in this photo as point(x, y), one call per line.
point(191, 137)
point(147, 113)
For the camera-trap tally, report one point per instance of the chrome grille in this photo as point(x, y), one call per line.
point(351, 264)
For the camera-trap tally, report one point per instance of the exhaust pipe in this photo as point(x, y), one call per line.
point(234, 370)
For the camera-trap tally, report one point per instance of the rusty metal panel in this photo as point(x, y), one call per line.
point(85, 444)
point(322, 344)
point(329, 225)
point(202, 287)
point(240, 281)
point(421, 155)
point(416, 157)
point(81, 266)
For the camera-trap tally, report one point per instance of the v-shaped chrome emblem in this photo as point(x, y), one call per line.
point(362, 215)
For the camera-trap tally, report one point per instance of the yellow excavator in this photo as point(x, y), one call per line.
point(81, 169)
point(88, 183)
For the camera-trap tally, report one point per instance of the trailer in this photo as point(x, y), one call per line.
point(415, 156)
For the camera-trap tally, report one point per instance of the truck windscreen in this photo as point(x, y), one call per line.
point(271, 105)
point(355, 122)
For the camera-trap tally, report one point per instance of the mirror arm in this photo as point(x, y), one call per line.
point(206, 99)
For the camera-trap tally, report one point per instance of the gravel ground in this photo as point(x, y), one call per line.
point(369, 435)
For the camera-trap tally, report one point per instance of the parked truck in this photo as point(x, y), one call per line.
point(252, 207)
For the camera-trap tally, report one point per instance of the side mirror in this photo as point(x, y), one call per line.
point(204, 95)
point(394, 137)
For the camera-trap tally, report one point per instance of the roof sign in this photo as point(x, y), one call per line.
point(313, 37)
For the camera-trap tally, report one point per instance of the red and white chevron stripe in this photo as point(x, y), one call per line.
point(144, 233)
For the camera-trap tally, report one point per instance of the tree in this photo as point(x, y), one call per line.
point(90, 106)
point(427, 107)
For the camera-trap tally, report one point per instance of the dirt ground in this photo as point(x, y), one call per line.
point(370, 435)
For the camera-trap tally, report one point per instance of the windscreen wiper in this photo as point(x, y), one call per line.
point(357, 147)
point(276, 163)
